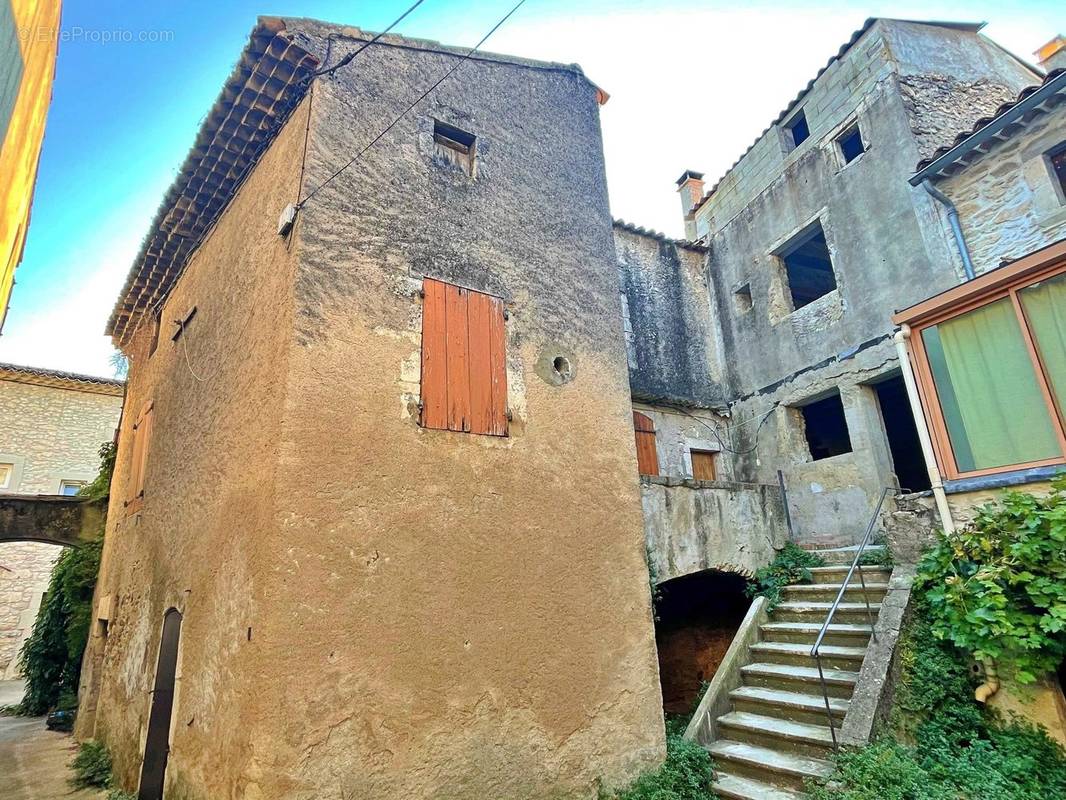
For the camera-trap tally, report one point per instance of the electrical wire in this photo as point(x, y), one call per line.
point(718, 435)
point(420, 98)
point(348, 58)
point(185, 347)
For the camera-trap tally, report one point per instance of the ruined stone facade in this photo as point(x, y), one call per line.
point(371, 608)
point(51, 428)
point(832, 168)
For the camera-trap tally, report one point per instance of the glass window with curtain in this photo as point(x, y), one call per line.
point(992, 404)
point(1044, 304)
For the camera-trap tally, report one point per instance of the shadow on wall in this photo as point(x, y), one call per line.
point(696, 618)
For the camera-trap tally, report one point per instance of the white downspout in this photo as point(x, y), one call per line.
point(902, 339)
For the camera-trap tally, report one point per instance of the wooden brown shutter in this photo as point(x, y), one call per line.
point(142, 434)
point(647, 458)
point(464, 377)
point(703, 466)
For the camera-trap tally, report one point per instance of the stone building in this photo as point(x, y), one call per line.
point(326, 572)
point(51, 427)
point(810, 242)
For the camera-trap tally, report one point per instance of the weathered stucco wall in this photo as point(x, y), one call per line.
point(1009, 200)
point(468, 616)
point(690, 526)
point(202, 542)
point(673, 338)
point(48, 435)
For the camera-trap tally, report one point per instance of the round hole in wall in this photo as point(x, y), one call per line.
point(561, 366)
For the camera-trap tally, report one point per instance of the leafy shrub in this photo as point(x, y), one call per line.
point(792, 565)
point(943, 744)
point(118, 794)
point(686, 774)
point(997, 587)
point(92, 766)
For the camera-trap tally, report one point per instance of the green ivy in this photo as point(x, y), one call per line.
point(997, 586)
point(942, 744)
point(792, 565)
point(687, 774)
point(51, 657)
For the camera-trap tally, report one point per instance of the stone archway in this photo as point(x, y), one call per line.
point(696, 618)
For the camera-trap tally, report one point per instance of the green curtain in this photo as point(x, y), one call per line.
point(993, 408)
point(1045, 307)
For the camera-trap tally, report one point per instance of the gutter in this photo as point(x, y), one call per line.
point(956, 226)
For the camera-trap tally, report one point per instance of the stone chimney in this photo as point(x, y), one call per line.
point(1052, 55)
point(690, 187)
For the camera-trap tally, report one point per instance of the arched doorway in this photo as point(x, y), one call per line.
point(696, 618)
point(157, 745)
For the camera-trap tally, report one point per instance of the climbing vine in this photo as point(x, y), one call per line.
point(792, 565)
point(51, 657)
point(997, 587)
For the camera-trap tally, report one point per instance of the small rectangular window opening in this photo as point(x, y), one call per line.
point(797, 129)
point(742, 298)
point(808, 267)
point(1057, 160)
point(455, 144)
point(6, 471)
point(850, 144)
point(826, 427)
point(70, 488)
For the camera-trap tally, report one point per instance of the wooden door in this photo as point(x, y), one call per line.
point(703, 466)
point(157, 746)
point(644, 431)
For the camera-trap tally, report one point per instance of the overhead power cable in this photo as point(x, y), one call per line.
point(348, 58)
point(420, 98)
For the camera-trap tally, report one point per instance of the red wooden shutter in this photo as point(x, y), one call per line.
point(703, 465)
point(464, 377)
point(644, 430)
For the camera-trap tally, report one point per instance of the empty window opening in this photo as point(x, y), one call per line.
point(742, 298)
point(826, 428)
point(455, 144)
point(808, 267)
point(798, 130)
point(907, 460)
point(696, 618)
point(850, 144)
point(704, 466)
point(644, 432)
point(1057, 160)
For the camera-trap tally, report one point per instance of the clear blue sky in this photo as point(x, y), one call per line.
point(701, 79)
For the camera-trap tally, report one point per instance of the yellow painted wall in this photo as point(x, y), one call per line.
point(36, 25)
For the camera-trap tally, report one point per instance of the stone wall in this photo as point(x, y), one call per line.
point(1009, 200)
point(691, 526)
point(672, 331)
point(48, 434)
point(679, 430)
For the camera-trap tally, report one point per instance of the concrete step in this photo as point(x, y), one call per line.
point(789, 678)
point(796, 706)
point(780, 769)
point(797, 738)
point(837, 573)
point(834, 656)
point(817, 611)
point(735, 787)
point(829, 591)
point(844, 555)
point(807, 632)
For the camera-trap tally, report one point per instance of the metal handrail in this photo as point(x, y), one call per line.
point(815, 650)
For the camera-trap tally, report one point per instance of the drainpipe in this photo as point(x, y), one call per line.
point(902, 338)
point(956, 228)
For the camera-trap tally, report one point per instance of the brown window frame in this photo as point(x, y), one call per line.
point(1005, 282)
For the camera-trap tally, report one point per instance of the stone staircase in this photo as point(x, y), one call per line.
point(777, 733)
